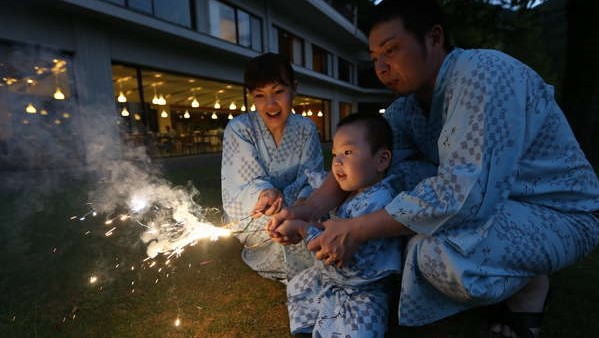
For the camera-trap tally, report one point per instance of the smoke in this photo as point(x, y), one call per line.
point(67, 145)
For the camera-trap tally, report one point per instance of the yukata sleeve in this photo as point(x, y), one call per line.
point(479, 147)
point(243, 175)
point(311, 161)
point(407, 165)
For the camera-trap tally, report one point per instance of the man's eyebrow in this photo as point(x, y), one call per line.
point(384, 42)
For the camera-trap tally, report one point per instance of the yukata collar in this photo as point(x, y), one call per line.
point(266, 133)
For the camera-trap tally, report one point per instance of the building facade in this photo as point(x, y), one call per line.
point(169, 71)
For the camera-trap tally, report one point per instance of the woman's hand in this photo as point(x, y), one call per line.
point(270, 201)
point(289, 232)
point(336, 244)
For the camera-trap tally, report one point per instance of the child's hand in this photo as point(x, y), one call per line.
point(269, 202)
point(289, 232)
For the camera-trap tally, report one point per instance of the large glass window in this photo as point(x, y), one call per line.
point(290, 46)
point(318, 110)
point(235, 25)
point(346, 71)
point(322, 61)
point(175, 11)
point(37, 109)
point(174, 114)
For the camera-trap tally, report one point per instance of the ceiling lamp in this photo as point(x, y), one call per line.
point(382, 110)
point(155, 99)
point(137, 117)
point(30, 109)
point(310, 113)
point(230, 117)
point(124, 112)
point(58, 95)
point(217, 105)
point(195, 103)
point(186, 115)
point(232, 106)
point(253, 107)
point(214, 116)
point(43, 112)
point(320, 114)
point(161, 100)
point(164, 114)
point(304, 113)
point(242, 108)
point(121, 98)
point(292, 111)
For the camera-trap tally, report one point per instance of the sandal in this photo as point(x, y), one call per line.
point(523, 324)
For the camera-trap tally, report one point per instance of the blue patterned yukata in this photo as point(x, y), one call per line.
point(350, 301)
point(493, 183)
point(251, 163)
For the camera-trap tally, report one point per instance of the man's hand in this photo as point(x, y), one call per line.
point(269, 202)
point(336, 245)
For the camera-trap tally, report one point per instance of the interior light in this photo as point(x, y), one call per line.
point(30, 109)
point(124, 112)
point(186, 115)
point(214, 116)
point(58, 95)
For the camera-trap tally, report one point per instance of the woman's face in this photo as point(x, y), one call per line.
point(273, 102)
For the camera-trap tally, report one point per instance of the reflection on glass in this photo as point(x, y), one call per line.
point(141, 5)
point(243, 24)
point(175, 11)
point(222, 21)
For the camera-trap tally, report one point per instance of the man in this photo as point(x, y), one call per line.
point(495, 190)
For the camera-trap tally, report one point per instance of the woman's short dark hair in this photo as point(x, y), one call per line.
point(418, 17)
point(268, 68)
point(378, 132)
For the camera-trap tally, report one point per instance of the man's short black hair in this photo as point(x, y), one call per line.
point(418, 17)
point(378, 132)
point(268, 68)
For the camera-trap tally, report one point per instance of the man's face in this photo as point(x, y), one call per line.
point(401, 61)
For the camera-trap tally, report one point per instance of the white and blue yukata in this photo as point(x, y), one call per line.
point(493, 183)
point(351, 301)
point(251, 162)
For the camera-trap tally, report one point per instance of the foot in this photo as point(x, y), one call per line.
point(522, 314)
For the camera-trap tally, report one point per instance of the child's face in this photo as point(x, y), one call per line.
point(273, 103)
point(354, 165)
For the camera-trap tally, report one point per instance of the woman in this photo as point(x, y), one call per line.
point(266, 158)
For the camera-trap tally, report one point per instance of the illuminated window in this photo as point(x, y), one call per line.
point(235, 25)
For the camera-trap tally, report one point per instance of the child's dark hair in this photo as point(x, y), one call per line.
point(268, 68)
point(378, 132)
point(418, 17)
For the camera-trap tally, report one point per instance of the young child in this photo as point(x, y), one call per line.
point(350, 301)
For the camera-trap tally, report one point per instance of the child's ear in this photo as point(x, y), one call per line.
point(383, 159)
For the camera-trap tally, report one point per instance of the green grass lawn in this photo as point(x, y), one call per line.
point(46, 261)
